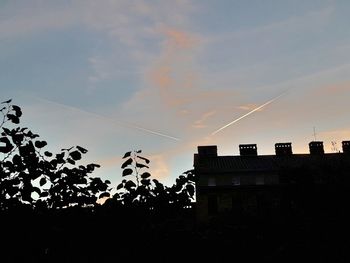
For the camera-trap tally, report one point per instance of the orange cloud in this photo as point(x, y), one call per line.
point(162, 77)
point(175, 80)
point(173, 74)
point(331, 90)
point(179, 39)
point(159, 166)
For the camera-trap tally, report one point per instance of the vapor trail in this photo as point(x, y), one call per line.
point(122, 123)
point(247, 114)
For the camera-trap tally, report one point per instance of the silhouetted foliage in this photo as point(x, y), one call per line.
point(30, 175)
point(140, 190)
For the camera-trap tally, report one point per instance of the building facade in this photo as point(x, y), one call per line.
point(236, 188)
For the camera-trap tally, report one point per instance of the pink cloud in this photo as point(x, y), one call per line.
point(179, 39)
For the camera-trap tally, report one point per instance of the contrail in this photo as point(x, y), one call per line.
point(123, 123)
point(247, 114)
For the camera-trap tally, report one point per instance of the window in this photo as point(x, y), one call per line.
point(259, 180)
point(211, 181)
point(212, 204)
point(236, 180)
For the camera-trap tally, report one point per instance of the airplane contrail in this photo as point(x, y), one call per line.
point(123, 123)
point(247, 114)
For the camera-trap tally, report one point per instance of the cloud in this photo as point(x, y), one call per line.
point(36, 17)
point(178, 39)
point(337, 89)
point(249, 107)
point(159, 166)
point(304, 23)
point(173, 74)
point(200, 123)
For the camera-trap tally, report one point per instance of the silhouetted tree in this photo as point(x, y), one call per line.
point(149, 193)
point(30, 175)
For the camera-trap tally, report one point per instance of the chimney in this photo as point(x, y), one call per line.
point(283, 149)
point(346, 147)
point(248, 150)
point(316, 148)
point(203, 153)
point(211, 150)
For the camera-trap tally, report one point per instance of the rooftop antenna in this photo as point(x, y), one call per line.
point(334, 146)
point(314, 134)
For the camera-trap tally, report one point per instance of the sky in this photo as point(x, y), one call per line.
point(164, 76)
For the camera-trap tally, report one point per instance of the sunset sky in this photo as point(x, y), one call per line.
point(163, 76)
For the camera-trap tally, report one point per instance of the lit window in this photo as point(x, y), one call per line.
point(236, 180)
point(211, 182)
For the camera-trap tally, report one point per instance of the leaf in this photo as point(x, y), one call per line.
point(76, 155)
point(120, 186)
point(82, 150)
point(143, 158)
point(7, 131)
point(145, 181)
point(145, 175)
point(8, 147)
point(7, 101)
point(13, 118)
point(91, 167)
point(40, 144)
point(17, 138)
point(17, 110)
point(126, 163)
point(103, 195)
point(139, 151)
point(42, 181)
point(190, 189)
point(67, 150)
point(107, 182)
point(130, 184)
point(127, 171)
point(44, 194)
point(127, 154)
point(48, 154)
point(37, 190)
point(140, 165)
point(71, 161)
point(17, 160)
point(59, 156)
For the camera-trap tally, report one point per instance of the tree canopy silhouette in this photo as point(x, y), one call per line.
point(140, 190)
point(31, 175)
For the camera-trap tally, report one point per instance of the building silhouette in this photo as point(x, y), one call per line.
point(236, 189)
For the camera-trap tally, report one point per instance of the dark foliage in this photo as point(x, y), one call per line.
point(142, 192)
point(29, 175)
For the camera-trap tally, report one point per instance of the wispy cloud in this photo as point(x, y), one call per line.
point(248, 107)
point(200, 123)
point(173, 74)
